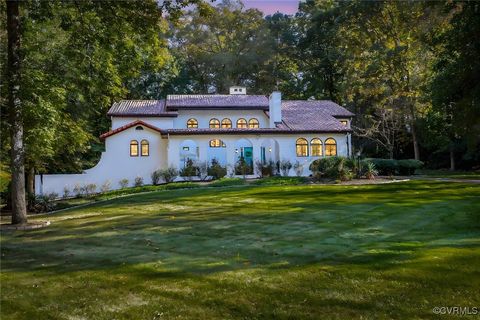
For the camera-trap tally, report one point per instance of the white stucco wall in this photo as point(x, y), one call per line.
point(203, 117)
point(115, 164)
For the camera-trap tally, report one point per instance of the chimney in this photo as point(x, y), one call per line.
point(238, 90)
point(275, 108)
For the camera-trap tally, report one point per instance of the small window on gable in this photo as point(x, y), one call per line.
point(145, 148)
point(344, 122)
point(139, 128)
point(134, 148)
point(242, 123)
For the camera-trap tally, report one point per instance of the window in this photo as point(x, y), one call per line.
point(316, 147)
point(192, 123)
point(217, 143)
point(330, 147)
point(134, 148)
point(226, 123)
point(253, 123)
point(145, 148)
point(139, 128)
point(344, 122)
point(214, 123)
point(242, 123)
point(302, 147)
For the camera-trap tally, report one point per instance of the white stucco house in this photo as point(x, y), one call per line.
point(147, 135)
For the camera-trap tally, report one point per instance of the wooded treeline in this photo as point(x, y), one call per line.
point(410, 70)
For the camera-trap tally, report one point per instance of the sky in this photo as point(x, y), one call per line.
point(272, 6)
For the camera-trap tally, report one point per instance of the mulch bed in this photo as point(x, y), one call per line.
point(26, 226)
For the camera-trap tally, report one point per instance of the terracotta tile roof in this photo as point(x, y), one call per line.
point(145, 108)
point(127, 126)
point(278, 130)
point(216, 101)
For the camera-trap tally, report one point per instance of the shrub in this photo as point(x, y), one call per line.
point(243, 168)
point(123, 183)
point(336, 168)
point(265, 169)
point(66, 192)
point(387, 167)
point(43, 203)
point(156, 176)
point(202, 170)
point(189, 171)
point(216, 170)
point(408, 166)
point(169, 174)
point(77, 190)
point(90, 189)
point(285, 166)
point(138, 182)
point(370, 171)
point(298, 167)
point(106, 186)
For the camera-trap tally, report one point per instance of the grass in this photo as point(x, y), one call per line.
point(450, 174)
point(252, 252)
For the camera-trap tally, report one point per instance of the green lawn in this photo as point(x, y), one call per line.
point(252, 252)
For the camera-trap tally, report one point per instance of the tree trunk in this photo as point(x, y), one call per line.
point(19, 208)
point(416, 149)
point(452, 159)
point(31, 180)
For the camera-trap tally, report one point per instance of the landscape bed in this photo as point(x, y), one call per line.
point(250, 252)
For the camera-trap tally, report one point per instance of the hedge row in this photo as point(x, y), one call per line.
point(393, 167)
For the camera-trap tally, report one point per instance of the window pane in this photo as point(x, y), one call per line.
point(226, 123)
point(133, 148)
point(253, 123)
point(145, 148)
point(214, 123)
point(242, 123)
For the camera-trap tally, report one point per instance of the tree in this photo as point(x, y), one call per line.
point(19, 207)
point(455, 87)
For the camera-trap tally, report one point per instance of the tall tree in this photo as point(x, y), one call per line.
point(19, 207)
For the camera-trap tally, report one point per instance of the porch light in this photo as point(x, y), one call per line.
point(236, 150)
point(270, 149)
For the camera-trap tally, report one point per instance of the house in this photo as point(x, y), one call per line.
point(147, 135)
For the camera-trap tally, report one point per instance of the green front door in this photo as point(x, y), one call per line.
point(248, 155)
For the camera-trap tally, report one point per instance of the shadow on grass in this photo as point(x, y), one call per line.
point(206, 231)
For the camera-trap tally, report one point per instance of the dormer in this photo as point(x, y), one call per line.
point(238, 90)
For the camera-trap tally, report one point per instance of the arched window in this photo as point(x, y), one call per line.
point(302, 147)
point(214, 123)
point(316, 147)
point(253, 123)
point(330, 147)
point(242, 123)
point(139, 128)
point(226, 123)
point(192, 123)
point(134, 148)
point(145, 148)
point(217, 143)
